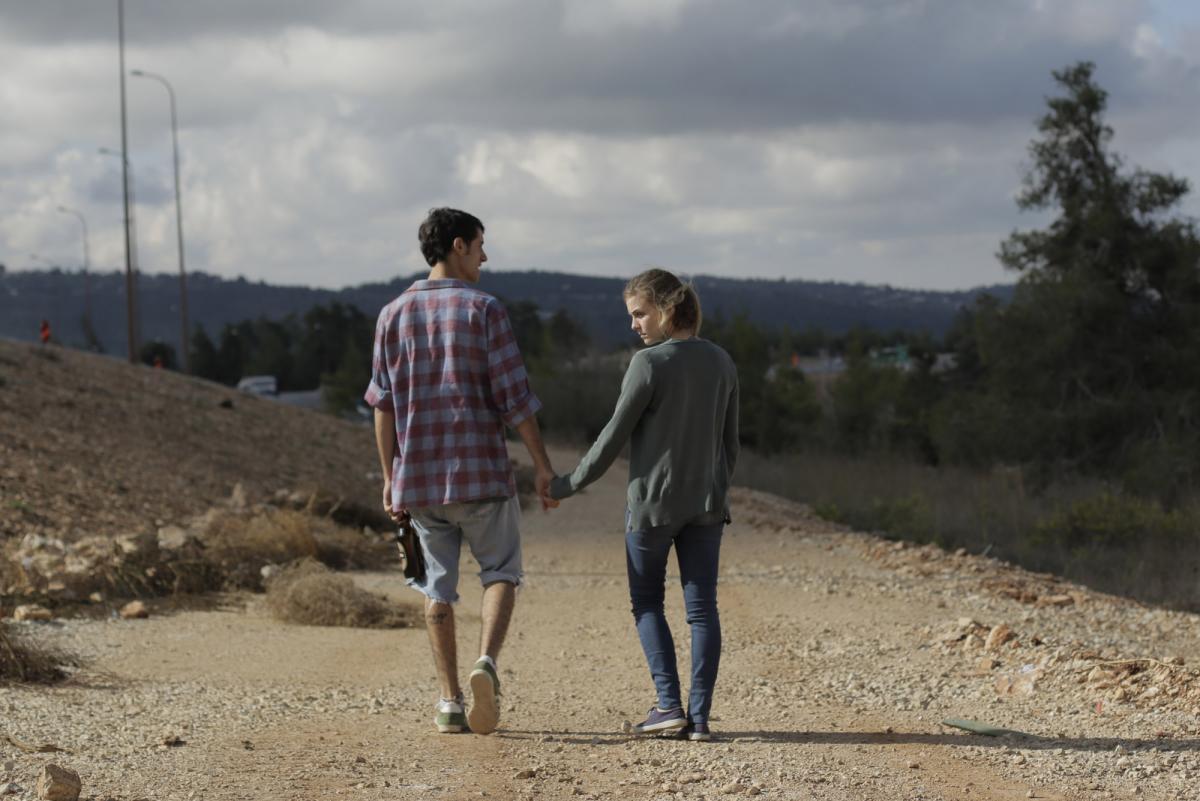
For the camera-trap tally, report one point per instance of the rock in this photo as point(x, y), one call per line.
point(134, 610)
point(58, 784)
point(527, 773)
point(172, 538)
point(731, 789)
point(1055, 600)
point(34, 612)
point(999, 635)
point(985, 665)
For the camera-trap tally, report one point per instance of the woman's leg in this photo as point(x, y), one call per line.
point(646, 560)
point(698, 549)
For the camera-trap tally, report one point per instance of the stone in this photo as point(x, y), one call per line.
point(32, 612)
point(134, 610)
point(58, 784)
point(999, 635)
point(731, 789)
point(172, 538)
point(985, 665)
point(527, 773)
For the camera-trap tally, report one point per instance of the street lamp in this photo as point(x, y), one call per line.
point(183, 301)
point(131, 282)
point(87, 292)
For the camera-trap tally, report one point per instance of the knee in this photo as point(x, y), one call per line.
point(646, 604)
point(438, 613)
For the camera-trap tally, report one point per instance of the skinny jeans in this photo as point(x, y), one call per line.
point(697, 550)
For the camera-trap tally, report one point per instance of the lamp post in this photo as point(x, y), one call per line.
point(131, 282)
point(183, 298)
point(87, 292)
point(126, 187)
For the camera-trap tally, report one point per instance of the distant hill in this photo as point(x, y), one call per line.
point(27, 297)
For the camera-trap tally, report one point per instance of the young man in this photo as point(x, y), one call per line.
point(447, 377)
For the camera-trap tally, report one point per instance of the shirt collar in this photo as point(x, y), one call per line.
point(438, 283)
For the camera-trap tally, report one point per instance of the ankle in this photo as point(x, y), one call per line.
point(488, 659)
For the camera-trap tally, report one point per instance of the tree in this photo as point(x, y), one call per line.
point(204, 355)
point(1097, 356)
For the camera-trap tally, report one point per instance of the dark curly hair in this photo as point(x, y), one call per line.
point(441, 228)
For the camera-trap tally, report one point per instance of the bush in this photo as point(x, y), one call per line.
point(307, 593)
point(25, 661)
point(1080, 529)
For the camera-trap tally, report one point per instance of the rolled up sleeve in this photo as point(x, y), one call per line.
point(379, 390)
point(508, 383)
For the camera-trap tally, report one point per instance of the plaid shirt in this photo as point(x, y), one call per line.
point(447, 366)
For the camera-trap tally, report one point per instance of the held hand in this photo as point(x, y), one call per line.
point(542, 482)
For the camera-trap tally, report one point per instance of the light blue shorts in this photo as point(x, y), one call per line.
point(491, 529)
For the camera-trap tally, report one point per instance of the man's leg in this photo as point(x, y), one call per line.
point(495, 540)
point(439, 622)
point(498, 600)
point(499, 597)
point(441, 540)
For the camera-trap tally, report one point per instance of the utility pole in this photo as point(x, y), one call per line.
point(130, 283)
point(185, 358)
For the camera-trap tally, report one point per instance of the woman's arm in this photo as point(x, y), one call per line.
point(636, 392)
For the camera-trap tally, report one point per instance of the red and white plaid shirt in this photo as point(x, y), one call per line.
point(447, 365)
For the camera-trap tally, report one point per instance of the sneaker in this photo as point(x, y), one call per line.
point(698, 732)
point(485, 688)
point(450, 718)
point(661, 720)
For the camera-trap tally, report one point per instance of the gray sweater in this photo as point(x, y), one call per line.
point(679, 411)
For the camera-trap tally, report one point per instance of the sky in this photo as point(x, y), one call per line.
point(874, 141)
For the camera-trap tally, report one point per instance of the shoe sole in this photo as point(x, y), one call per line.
point(666, 725)
point(699, 738)
point(484, 713)
point(449, 729)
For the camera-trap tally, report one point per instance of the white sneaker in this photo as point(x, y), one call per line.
point(450, 718)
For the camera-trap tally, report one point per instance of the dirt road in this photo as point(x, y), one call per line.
point(841, 659)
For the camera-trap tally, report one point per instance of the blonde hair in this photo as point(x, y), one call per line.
point(676, 300)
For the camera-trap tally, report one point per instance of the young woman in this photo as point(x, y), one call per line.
point(678, 409)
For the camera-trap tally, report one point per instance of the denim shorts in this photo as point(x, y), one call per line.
point(491, 529)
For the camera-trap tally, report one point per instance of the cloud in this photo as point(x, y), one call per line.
point(855, 139)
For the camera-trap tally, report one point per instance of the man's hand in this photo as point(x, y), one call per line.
point(541, 481)
point(395, 514)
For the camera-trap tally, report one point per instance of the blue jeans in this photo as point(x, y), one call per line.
point(698, 550)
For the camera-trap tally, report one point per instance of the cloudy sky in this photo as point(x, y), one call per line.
point(879, 141)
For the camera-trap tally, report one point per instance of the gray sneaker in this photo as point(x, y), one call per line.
point(484, 713)
point(450, 718)
point(661, 720)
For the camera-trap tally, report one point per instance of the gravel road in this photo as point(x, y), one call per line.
point(843, 655)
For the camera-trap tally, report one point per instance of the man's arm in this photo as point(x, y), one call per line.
point(531, 435)
point(385, 443)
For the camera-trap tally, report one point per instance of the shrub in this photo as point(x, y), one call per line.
point(308, 593)
point(24, 661)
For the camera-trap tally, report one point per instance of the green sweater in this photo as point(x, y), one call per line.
point(679, 411)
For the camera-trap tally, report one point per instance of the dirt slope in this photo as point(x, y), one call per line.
point(843, 654)
point(92, 445)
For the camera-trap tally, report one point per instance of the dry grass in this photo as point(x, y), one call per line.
point(239, 547)
point(1079, 529)
point(310, 594)
point(25, 661)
